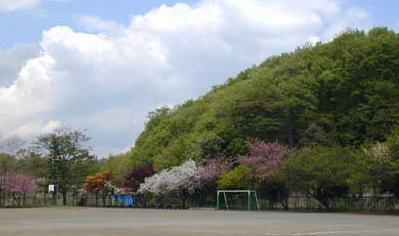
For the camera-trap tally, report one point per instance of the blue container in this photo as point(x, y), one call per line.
point(125, 200)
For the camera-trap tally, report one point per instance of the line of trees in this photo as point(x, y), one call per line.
point(319, 121)
point(62, 159)
point(325, 174)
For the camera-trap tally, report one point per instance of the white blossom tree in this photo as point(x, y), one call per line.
point(184, 180)
point(181, 180)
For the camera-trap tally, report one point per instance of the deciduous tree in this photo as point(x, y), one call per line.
point(66, 150)
point(19, 186)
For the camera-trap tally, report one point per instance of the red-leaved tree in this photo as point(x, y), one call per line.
point(136, 177)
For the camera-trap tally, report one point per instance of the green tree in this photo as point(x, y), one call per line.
point(66, 152)
point(239, 178)
point(322, 173)
point(385, 164)
point(343, 93)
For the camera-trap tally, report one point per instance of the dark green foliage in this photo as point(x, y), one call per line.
point(68, 157)
point(323, 173)
point(389, 167)
point(342, 93)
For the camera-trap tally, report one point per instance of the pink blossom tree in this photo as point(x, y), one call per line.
point(19, 186)
point(211, 171)
point(264, 158)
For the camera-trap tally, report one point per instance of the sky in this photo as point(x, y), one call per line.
point(102, 65)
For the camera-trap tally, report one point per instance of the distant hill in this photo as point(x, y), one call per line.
point(343, 93)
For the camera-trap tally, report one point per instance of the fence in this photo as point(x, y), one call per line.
point(295, 202)
point(36, 200)
point(348, 203)
point(114, 200)
point(147, 201)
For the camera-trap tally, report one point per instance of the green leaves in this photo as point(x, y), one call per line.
point(68, 157)
point(239, 178)
point(323, 173)
point(343, 93)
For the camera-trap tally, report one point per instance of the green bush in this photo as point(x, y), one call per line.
point(322, 173)
point(239, 178)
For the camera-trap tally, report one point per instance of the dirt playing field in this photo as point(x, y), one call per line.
point(140, 222)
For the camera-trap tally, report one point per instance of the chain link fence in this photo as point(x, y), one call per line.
point(295, 202)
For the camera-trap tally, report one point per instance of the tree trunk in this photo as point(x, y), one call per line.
point(64, 197)
point(103, 195)
point(54, 195)
point(284, 201)
point(184, 201)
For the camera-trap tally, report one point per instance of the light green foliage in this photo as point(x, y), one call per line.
point(117, 166)
point(393, 143)
point(383, 165)
point(239, 178)
point(342, 93)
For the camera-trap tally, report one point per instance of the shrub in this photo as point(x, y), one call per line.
point(323, 173)
point(239, 178)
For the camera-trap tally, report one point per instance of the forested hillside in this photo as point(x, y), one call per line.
point(341, 93)
point(318, 124)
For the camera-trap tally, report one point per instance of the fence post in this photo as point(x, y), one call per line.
point(217, 201)
point(249, 200)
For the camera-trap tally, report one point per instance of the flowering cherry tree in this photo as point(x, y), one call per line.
point(211, 171)
point(264, 158)
point(19, 186)
point(182, 180)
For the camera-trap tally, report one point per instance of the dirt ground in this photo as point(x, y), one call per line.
point(142, 222)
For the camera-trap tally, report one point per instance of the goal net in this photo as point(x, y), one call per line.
point(237, 200)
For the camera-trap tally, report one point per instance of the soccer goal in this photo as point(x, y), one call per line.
point(237, 199)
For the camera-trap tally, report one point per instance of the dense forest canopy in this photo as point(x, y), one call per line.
point(341, 93)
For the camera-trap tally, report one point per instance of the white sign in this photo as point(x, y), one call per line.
point(51, 188)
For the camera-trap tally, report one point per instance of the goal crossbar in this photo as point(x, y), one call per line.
point(249, 194)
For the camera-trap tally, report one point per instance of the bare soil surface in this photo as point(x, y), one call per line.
point(144, 222)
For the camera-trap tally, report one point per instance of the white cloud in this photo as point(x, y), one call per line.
point(95, 24)
point(13, 59)
point(30, 129)
point(12, 5)
point(108, 79)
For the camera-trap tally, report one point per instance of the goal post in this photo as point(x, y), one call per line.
point(221, 195)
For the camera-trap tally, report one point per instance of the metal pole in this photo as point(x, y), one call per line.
point(217, 201)
point(257, 202)
point(4, 183)
point(225, 200)
point(249, 200)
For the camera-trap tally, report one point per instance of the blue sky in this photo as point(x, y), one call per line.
point(89, 64)
point(26, 26)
